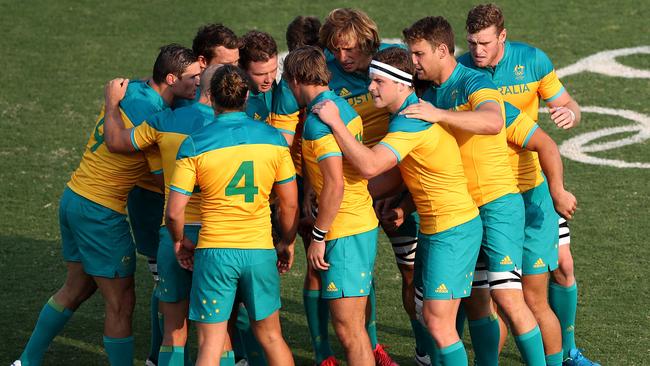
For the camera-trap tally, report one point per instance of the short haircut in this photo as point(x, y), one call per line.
point(256, 46)
point(396, 57)
point(172, 59)
point(210, 36)
point(435, 30)
point(348, 25)
point(306, 65)
point(206, 78)
point(228, 88)
point(484, 16)
point(303, 31)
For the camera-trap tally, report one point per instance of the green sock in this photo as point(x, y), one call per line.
point(461, 316)
point(171, 356)
point(254, 352)
point(227, 358)
point(371, 322)
point(424, 343)
point(119, 350)
point(554, 359)
point(485, 340)
point(454, 355)
point(564, 302)
point(156, 329)
point(50, 322)
point(317, 312)
point(531, 347)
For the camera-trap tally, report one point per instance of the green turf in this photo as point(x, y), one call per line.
point(56, 56)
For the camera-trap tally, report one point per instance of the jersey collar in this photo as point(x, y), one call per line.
point(231, 116)
point(328, 94)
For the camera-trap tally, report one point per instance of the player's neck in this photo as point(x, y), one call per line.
point(398, 102)
point(499, 56)
point(310, 92)
point(164, 91)
point(446, 70)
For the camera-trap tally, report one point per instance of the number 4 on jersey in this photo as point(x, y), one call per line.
point(249, 190)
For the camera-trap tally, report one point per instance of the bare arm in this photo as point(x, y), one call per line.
point(287, 205)
point(549, 158)
point(175, 221)
point(116, 136)
point(485, 120)
point(369, 162)
point(565, 111)
point(329, 202)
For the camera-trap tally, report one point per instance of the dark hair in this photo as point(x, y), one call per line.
point(172, 59)
point(256, 46)
point(210, 36)
point(435, 30)
point(396, 57)
point(306, 65)
point(303, 31)
point(228, 88)
point(484, 16)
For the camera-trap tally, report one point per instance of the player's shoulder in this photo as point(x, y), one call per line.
point(466, 60)
point(264, 134)
point(284, 102)
point(474, 80)
point(402, 123)
point(188, 119)
point(141, 101)
point(526, 54)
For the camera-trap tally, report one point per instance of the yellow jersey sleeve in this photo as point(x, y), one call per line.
point(184, 177)
point(286, 171)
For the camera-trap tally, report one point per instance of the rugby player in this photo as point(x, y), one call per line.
point(351, 38)
point(524, 74)
point(235, 163)
point(431, 166)
point(344, 238)
point(167, 130)
point(97, 245)
point(470, 104)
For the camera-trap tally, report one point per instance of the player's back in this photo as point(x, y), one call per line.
point(355, 214)
point(234, 161)
point(485, 157)
point(167, 130)
point(104, 177)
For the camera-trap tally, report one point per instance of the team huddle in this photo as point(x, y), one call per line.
point(212, 166)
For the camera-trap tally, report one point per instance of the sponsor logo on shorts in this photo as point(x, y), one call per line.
point(506, 260)
point(257, 117)
point(126, 259)
point(442, 289)
point(344, 92)
point(332, 287)
point(540, 263)
point(569, 328)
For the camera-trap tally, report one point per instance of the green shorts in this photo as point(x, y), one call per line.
point(444, 263)
point(541, 230)
point(503, 233)
point(220, 275)
point(352, 260)
point(96, 236)
point(174, 282)
point(145, 209)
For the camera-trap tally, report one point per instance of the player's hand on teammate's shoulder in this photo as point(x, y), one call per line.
point(285, 256)
point(316, 256)
point(184, 250)
point(424, 111)
point(328, 112)
point(563, 117)
point(565, 203)
point(115, 90)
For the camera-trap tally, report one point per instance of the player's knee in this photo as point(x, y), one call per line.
point(537, 302)
point(71, 296)
point(565, 266)
point(121, 307)
point(348, 332)
point(270, 337)
point(511, 301)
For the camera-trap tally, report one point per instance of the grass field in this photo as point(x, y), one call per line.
point(56, 56)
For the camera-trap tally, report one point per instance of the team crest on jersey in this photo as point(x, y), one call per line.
point(344, 92)
point(519, 72)
point(454, 95)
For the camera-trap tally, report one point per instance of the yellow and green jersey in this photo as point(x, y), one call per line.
point(234, 162)
point(355, 214)
point(277, 107)
point(167, 130)
point(523, 75)
point(485, 157)
point(104, 177)
point(525, 163)
point(431, 166)
point(353, 87)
